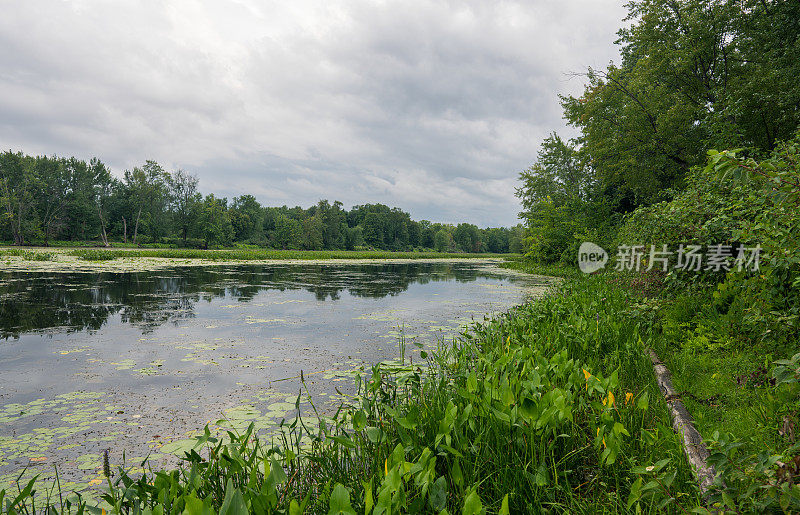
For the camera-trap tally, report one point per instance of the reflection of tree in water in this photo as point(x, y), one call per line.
point(79, 301)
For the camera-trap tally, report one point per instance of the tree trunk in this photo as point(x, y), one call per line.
point(136, 227)
point(124, 230)
point(696, 451)
point(18, 236)
point(103, 234)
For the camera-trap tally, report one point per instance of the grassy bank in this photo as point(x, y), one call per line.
point(549, 407)
point(516, 262)
point(96, 254)
point(260, 255)
point(742, 389)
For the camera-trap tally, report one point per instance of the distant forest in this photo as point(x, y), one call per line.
point(47, 199)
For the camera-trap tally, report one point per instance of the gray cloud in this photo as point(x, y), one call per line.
point(434, 107)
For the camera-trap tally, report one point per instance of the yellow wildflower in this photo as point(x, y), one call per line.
point(586, 374)
point(628, 398)
point(610, 399)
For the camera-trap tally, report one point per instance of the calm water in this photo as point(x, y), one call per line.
point(134, 361)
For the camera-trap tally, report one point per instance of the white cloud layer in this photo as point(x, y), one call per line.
point(433, 107)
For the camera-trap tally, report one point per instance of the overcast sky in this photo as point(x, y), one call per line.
point(434, 107)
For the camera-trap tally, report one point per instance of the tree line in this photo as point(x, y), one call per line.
point(46, 199)
point(695, 75)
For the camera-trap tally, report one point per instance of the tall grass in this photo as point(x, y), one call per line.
point(518, 262)
point(551, 407)
point(29, 255)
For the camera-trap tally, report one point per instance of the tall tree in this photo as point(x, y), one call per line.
point(18, 184)
point(695, 74)
point(102, 195)
point(52, 190)
point(334, 224)
point(214, 223)
point(247, 217)
point(288, 232)
point(185, 201)
point(468, 237)
point(148, 193)
point(313, 232)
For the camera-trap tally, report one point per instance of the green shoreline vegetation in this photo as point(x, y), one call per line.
point(100, 254)
point(516, 415)
point(550, 407)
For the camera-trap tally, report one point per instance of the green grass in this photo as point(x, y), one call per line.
point(551, 407)
point(727, 376)
point(748, 411)
point(518, 262)
point(260, 254)
point(726, 379)
point(94, 254)
point(29, 255)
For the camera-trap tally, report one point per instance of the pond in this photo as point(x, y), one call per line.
point(138, 362)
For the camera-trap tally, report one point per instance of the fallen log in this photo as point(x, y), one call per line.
point(696, 452)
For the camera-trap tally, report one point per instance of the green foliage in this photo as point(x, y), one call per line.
point(247, 218)
point(767, 485)
point(49, 198)
point(443, 241)
point(29, 255)
point(95, 254)
point(740, 202)
point(146, 193)
point(787, 371)
point(185, 202)
point(561, 206)
point(216, 225)
point(695, 74)
point(468, 238)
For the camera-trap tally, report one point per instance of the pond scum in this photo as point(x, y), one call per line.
point(551, 407)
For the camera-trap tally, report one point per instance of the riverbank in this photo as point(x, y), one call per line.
point(128, 260)
point(552, 406)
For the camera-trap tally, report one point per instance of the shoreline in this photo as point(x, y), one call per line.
point(65, 259)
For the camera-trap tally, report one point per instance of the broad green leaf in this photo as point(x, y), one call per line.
point(636, 492)
point(340, 501)
point(233, 504)
point(504, 506)
point(472, 504)
point(643, 402)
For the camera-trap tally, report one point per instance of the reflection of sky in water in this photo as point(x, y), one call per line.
point(95, 361)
